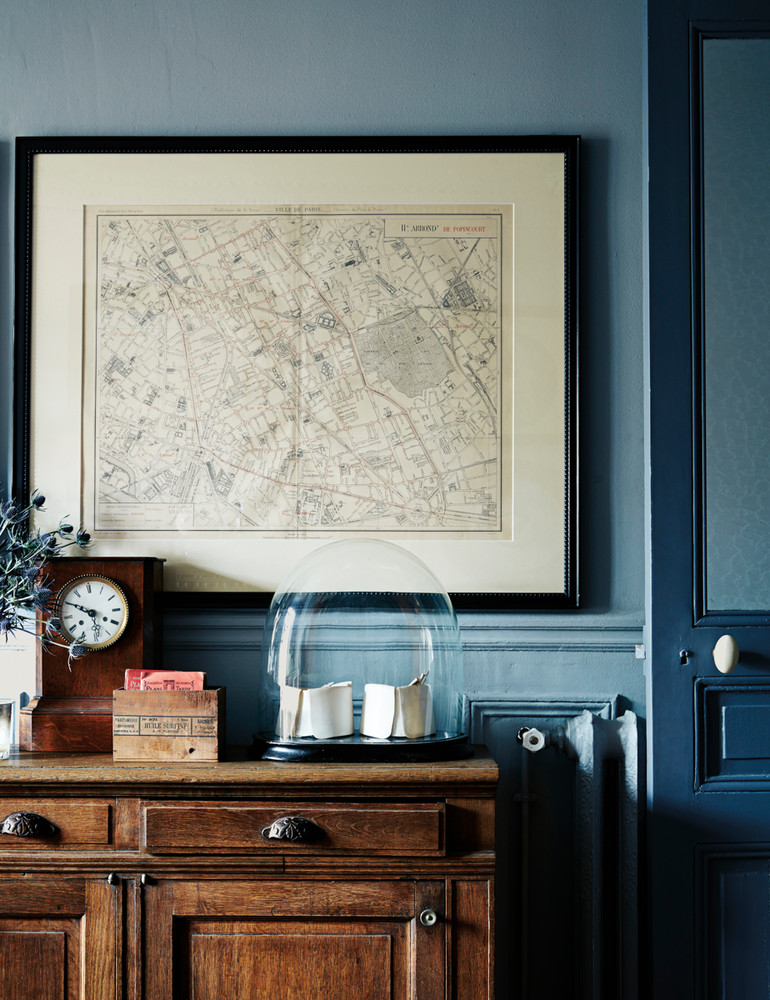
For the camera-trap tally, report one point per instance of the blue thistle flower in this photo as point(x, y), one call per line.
point(8, 626)
point(10, 511)
point(24, 589)
point(43, 598)
point(48, 544)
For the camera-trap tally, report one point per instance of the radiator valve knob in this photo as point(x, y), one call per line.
point(531, 739)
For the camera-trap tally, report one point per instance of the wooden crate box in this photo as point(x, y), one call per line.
point(168, 725)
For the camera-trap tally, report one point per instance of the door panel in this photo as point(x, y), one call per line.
point(57, 941)
point(735, 140)
point(34, 959)
point(472, 951)
point(736, 957)
point(268, 959)
point(309, 940)
point(732, 722)
point(709, 768)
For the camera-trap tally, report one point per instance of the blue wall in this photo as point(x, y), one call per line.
point(190, 67)
point(520, 66)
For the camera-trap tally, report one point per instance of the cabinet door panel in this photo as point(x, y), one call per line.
point(314, 940)
point(57, 940)
point(472, 940)
point(265, 960)
point(33, 959)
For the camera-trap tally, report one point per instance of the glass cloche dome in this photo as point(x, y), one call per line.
point(361, 660)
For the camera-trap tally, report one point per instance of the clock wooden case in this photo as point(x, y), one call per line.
point(72, 709)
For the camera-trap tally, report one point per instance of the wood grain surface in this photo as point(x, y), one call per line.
point(159, 884)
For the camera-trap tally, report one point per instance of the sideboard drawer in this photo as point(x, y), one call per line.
point(55, 823)
point(366, 828)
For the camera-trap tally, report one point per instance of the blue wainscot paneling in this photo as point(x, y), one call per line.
point(537, 659)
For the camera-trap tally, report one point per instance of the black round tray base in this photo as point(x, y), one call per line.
point(362, 749)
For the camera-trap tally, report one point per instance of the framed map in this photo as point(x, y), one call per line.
point(234, 350)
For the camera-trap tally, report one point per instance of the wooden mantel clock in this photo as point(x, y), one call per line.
point(111, 606)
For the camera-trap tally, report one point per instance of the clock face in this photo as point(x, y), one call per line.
point(93, 611)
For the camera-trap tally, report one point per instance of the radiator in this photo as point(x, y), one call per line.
point(607, 822)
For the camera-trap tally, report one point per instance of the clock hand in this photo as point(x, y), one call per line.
point(86, 611)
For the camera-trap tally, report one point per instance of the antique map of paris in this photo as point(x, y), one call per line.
point(300, 370)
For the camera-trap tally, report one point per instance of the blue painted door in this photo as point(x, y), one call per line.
point(709, 323)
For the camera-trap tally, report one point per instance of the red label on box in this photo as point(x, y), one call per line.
point(164, 680)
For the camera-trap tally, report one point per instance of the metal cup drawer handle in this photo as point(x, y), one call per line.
point(296, 829)
point(27, 824)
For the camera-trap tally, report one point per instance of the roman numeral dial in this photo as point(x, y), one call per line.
point(93, 611)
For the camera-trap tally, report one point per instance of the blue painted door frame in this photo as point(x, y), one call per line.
point(709, 762)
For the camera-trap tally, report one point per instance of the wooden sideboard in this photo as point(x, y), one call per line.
point(245, 879)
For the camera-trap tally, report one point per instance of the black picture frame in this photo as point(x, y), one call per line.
point(499, 151)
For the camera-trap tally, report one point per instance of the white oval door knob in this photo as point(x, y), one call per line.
point(726, 653)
